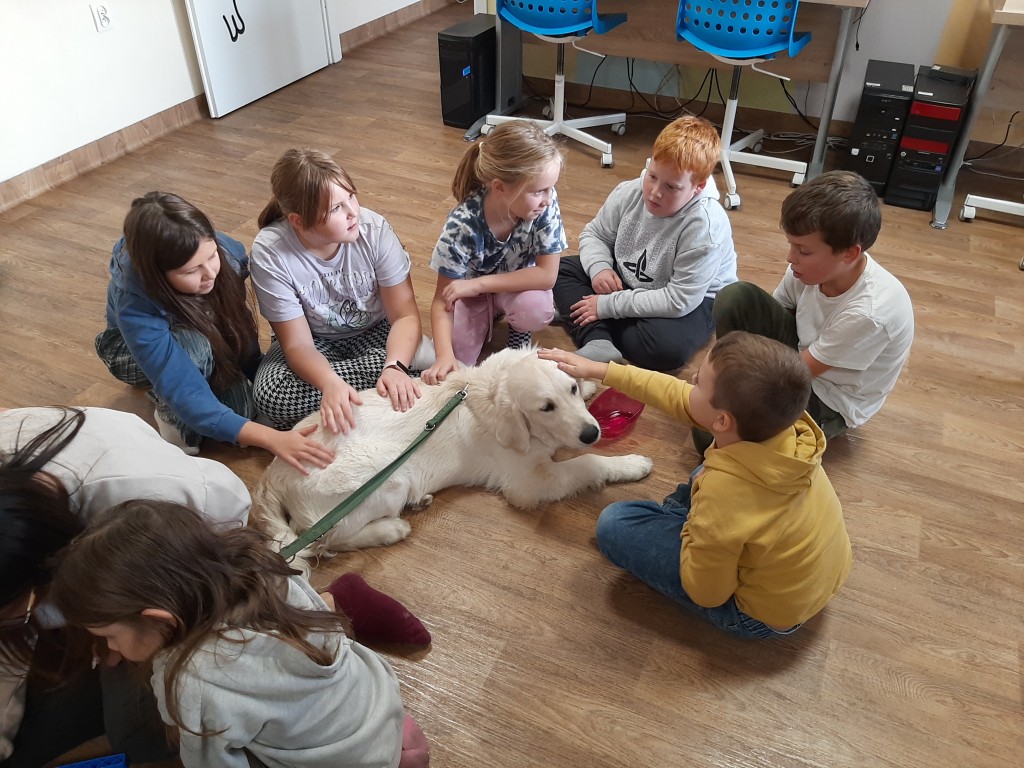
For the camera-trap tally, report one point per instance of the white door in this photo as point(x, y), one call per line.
point(249, 48)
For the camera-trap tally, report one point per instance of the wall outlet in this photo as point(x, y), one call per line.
point(101, 16)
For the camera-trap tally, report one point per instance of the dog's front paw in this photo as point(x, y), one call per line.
point(391, 530)
point(587, 388)
point(631, 468)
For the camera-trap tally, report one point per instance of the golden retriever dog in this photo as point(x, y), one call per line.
point(519, 410)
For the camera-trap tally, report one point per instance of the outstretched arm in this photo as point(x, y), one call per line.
point(441, 329)
point(400, 304)
point(574, 365)
point(293, 446)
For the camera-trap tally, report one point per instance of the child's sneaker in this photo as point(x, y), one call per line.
point(173, 435)
point(425, 356)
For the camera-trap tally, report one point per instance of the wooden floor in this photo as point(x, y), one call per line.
point(544, 654)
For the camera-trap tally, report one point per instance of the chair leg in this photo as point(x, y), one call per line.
point(570, 128)
point(732, 199)
point(733, 151)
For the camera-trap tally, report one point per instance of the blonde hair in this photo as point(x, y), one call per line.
point(689, 144)
point(512, 152)
point(301, 183)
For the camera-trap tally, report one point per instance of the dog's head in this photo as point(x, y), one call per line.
point(527, 398)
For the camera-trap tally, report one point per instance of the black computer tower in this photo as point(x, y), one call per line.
point(467, 53)
point(936, 118)
point(883, 110)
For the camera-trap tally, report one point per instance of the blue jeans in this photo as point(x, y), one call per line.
point(113, 350)
point(643, 537)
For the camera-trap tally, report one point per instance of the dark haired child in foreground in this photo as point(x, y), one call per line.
point(755, 542)
point(850, 319)
point(249, 664)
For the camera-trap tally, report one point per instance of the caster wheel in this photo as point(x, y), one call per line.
point(619, 129)
point(732, 201)
point(606, 160)
point(758, 147)
point(547, 111)
point(486, 128)
point(967, 213)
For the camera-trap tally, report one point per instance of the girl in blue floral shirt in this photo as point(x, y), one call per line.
point(499, 251)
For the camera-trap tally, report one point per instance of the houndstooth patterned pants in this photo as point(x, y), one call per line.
point(287, 399)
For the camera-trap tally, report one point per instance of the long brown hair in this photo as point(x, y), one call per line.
point(512, 152)
point(153, 554)
point(37, 522)
point(301, 183)
point(162, 232)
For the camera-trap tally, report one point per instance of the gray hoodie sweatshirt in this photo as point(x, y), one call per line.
point(669, 264)
point(278, 708)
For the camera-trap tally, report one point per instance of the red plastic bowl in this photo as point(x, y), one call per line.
point(615, 413)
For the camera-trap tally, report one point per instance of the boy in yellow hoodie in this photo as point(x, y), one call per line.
point(755, 542)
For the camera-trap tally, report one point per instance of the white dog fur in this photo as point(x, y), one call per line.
point(518, 412)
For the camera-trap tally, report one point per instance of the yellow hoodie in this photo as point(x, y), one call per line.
point(765, 523)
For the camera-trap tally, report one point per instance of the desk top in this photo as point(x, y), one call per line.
point(1011, 12)
point(650, 33)
point(843, 3)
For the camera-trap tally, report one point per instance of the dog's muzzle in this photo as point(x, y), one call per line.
point(590, 434)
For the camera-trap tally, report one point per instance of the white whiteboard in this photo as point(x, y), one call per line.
point(249, 48)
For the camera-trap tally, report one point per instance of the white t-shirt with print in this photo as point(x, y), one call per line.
point(339, 297)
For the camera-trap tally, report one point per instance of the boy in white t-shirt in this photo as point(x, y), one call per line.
point(850, 319)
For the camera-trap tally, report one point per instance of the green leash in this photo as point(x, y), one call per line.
point(328, 521)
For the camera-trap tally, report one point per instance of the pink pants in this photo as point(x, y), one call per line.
point(527, 311)
point(415, 750)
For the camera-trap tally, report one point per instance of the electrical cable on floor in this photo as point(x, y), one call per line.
point(972, 169)
point(1002, 143)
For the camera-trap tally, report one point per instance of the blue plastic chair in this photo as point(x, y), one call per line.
point(559, 21)
point(743, 33)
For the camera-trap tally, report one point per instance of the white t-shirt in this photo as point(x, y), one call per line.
point(864, 334)
point(340, 297)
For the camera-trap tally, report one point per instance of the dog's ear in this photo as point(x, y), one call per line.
point(512, 430)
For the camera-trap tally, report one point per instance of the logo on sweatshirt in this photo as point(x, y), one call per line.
point(639, 268)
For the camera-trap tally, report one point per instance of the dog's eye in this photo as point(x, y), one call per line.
point(548, 406)
point(575, 389)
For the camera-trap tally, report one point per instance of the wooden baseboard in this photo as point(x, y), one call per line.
point(380, 27)
point(79, 161)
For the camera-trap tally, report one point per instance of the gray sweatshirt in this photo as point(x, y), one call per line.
point(280, 709)
point(668, 265)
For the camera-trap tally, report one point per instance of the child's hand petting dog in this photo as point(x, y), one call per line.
point(574, 365)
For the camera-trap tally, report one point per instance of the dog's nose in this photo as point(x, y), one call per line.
point(589, 434)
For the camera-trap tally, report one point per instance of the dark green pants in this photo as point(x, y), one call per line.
point(747, 307)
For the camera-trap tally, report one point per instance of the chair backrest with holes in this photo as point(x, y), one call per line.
point(557, 17)
point(741, 29)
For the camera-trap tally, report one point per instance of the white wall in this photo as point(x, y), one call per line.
point(908, 31)
point(349, 14)
point(66, 85)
